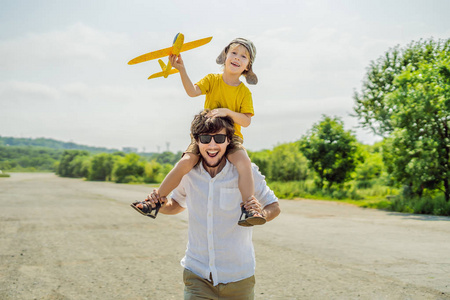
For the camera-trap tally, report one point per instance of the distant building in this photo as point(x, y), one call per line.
point(129, 149)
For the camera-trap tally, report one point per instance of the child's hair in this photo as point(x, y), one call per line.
point(206, 125)
point(250, 76)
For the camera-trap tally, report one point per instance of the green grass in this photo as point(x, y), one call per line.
point(422, 205)
point(374, 195)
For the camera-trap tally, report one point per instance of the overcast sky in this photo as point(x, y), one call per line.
point(64, 72)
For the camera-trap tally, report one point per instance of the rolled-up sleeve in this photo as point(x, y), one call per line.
point(179, 194)
point(262, 191)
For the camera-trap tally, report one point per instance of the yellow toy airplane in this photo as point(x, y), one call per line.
point(177, 47)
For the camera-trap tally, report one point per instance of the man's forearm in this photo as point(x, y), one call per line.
point(171, 207)
point(271, 211)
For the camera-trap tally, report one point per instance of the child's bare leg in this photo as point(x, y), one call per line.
point(173, 179)
point(243, 165)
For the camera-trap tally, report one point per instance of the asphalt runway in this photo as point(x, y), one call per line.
point(63, 238)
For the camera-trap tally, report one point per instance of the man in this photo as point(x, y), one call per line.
point(220, 259)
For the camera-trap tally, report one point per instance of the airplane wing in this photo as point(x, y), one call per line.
point(151, 55)
point(168, 51)
point(195, 44)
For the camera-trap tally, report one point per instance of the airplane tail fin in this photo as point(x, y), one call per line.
point(166, 70)
point(161, 74)
point(162, 64)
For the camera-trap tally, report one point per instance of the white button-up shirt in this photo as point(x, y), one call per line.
point(217, 245)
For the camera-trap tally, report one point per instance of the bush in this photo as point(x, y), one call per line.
point(80, 166)
point(287, 163)
point(151, 171)
point(101, 167)
point(27, 158)
point(421, 205)
point(73, 163)
point(129, 165)
point(262, 160)
point(165, 169)
point(293, 189)
point(132, 179)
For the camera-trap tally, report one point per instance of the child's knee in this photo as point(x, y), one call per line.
point(240, 158)
point(244, 164)
point(188, 161)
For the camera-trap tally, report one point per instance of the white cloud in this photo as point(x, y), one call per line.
point(14, 91)
point(73, 82)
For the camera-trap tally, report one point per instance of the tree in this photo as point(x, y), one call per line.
point(168, 157)
point(371, 106)
point(287, 163)
point(373, 166)
point(331, 151)
point(79, 166)
point(263, 160)
point(69, 164)
point(151, 171)
point(101, 167)
point(419, 147)
point(129, 168)
point(28, 158)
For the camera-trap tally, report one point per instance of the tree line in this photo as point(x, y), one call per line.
point(28, 158)
point(405, 98)
point(50, 143)
point(117, 167)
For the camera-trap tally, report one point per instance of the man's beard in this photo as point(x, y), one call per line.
point(216, 164)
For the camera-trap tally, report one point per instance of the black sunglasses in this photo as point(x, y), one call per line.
point(218, 138)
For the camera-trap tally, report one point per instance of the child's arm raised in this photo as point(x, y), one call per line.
point(191, 89)
point(241, 119)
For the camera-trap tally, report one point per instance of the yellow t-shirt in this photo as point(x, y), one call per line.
point(221, 95)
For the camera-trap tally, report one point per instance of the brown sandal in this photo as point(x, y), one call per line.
point(147, 209)
point(250, 218)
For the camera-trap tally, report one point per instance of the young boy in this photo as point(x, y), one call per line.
point(226, 95)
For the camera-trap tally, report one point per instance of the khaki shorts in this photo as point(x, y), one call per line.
point(235, 145)
point(196, 287)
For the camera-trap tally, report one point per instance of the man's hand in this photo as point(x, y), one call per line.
point(253, 205)
point(269, 212)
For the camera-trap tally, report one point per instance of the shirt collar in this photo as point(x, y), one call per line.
point(222, 173)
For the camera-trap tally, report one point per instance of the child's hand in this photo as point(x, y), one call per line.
point(176, 61)
point(218, 112)
point(254, 206)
